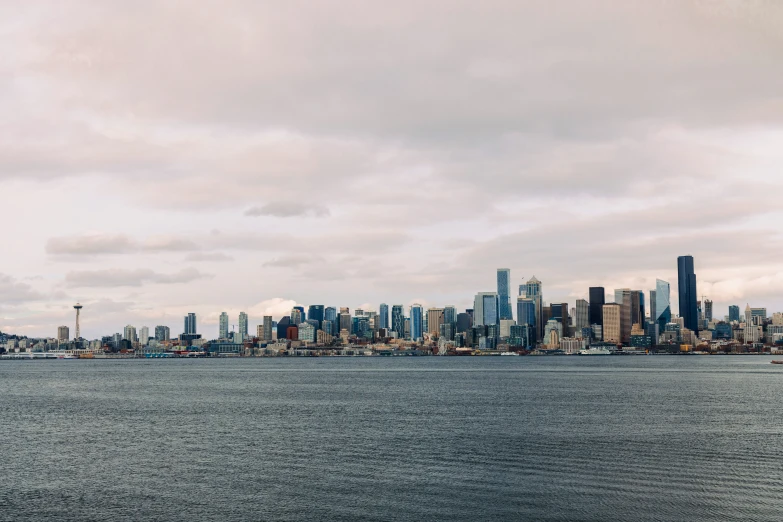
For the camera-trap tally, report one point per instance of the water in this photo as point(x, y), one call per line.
point(408, 439)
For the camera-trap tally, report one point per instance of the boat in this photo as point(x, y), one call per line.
point(595, 351)
point(509, 353)
point(776, 362)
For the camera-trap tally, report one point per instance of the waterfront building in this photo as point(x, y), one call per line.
point(485, 308)
point(63, 334)
point(223, 326)
point(144, 336)
point(597, 300)
point(190, 324)
point(686, 285)
point(612, 323)
point(571, 345)
point(582, 314)
point(416, 322)
point(383, 316)
point(434, 321)
point(504, 300)
point(243, 330)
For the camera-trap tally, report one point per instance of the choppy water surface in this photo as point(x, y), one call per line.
point(433, 438)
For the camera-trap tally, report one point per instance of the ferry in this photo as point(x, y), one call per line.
point(776, 362)
point(509, 353)
point(595, 351)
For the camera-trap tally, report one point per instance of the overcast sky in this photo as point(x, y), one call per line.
point(158, 158)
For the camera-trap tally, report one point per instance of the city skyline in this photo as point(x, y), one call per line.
point(299, 157)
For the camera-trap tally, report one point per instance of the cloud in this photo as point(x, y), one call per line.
point(208, 257)
point(12, 291)
point(277, 307)
point(281, 209)
point(121, 277)
point(294, 261)
point(100, 244)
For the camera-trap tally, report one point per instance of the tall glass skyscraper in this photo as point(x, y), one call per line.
point(398, 321)
point(316, 312)
point(449, 315)
point(223, 330)
point(383, 316)
point(526, 311)
point(734, 313)
point(663, 309)
point(597, 302)
point(485, 309)
point(686, 284)
point(190, 324)
point(504, 299)
point(417, 322)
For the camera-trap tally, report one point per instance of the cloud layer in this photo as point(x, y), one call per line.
point(352, 152)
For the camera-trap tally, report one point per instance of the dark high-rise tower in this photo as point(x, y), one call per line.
point(686, 284)
point(597, 302)
point(504, 300)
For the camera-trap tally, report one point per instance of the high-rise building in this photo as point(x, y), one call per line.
point(534, 289)
point(297, 315)
point(63, 334)
point(623, 298)
point(485, 309)
point(267, 332)
point(243, 331)
point(383, 316)
point(450, 315)
point(663, 308)
point(316, 313)
point(434, 320)
point(162, 333)
point(282, 327)
point(597, 301)
point(398, 321)
point(612, 320)
point(526, 311)
point(464, 322)
point(734, 313)
point(708, 310)
point(637, 308)
point(144, 336)
point(582, 315)
point(302, 312)
point(759, 315)
point(345, 322)
point(130, 334)
point(559, 313)
point(223, 328)
point(686, 284)
point(504, 300)
point(653, 310)
point(417, 322)
point(190, 324)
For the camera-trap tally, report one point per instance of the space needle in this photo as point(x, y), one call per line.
point(78, 308)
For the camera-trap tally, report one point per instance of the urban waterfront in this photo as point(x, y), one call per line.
point(408, 438)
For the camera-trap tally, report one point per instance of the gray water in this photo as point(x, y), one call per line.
point(409, 439)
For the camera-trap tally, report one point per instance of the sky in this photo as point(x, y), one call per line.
point(159, 158)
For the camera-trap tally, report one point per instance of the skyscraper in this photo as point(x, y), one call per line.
point(708, 310)
point(267, 328)
point(623, 298)
point(243, 326)
point(582, 317)
point(417, 322)
point(612, 323)
point(63, 334)
point(302, 311)
point(434, 320)
point(130, 334)
point(398, 321)
point(663, 308)
point(190, 324)
point(144, 336)
point(316, 313)
point(504, 300)
point(686, 284)
point(734, 313)
point(297, 315)
point(485, 309)
point(653, 309)
point(450, 315)
point(383, 316)
point(526, 311)
point(534, 289)
point(223, 329)
point(597, 301)
point(162, 333)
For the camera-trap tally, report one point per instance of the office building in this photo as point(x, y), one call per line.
point(663, 308)
point(223, 328)
point(416, 322)
point(297, 315)
point(316, 313)
point(144, 336)
point(759, 315)
point(129, 334)
point(622, 297)
point(534, 290)
point(653, 306)
point(708, 310)
point(504, 299)
point(434, 321)
point(485, 309)
point(734, 313)
point(267, 331)
point(582, 314)
point(398, 321)
point(383, 316)
point(597, 300)
point(686, 285)
point(450, 315)
point(464, 322)
point(612, 323)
